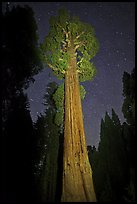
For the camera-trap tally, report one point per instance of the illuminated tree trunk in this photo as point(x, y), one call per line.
point(77, 173)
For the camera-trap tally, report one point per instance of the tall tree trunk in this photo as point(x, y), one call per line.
point(77, 173)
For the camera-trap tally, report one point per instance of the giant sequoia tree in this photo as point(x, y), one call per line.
point(67, 50)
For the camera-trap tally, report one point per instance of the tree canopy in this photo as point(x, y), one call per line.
point(66, 30)
point(54, 50)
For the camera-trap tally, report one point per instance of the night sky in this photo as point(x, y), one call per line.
point(114, 24)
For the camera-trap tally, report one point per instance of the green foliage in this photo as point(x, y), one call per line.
point(51, 52)
point(82, 92)
point(86, 37)
point(58, 97)
point(59, 117)
point(88, 48)
point(87, 69)
point(54, 50)
point(63, 18)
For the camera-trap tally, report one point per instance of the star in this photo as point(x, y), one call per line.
point(114, 28)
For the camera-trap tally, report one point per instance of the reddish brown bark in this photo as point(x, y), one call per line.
point(77, 173)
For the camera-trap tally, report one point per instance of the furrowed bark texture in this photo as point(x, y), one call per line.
point(77, 173)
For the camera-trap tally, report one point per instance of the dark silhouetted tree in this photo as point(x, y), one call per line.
point(128, 107)
point(20, 62)
point(93, 156)
point(17, 137)
point(110, 175)
point(128, 110)
point(113, 163)
point(46, 149)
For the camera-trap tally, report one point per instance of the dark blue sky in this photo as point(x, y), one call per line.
point(114, 24)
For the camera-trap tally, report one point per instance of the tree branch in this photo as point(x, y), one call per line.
point(78, 36)
point(80, 61)
point(51, 66)
point(60, 59)
point(79, 71)
point(65, 32)
point(79, 45)
point(55, 69)
point(64, 42)
point(66, 36)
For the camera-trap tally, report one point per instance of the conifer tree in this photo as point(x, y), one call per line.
point(67, 50)
point(46, 148)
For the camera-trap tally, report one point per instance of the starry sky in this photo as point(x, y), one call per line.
point(114, 24)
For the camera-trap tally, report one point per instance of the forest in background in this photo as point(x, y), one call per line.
point(32, 152)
